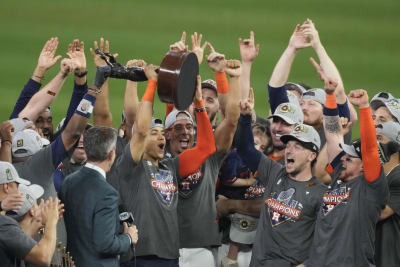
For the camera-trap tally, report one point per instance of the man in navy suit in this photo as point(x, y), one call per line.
point(91, 205)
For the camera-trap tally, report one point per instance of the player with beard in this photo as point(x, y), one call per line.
point(345, 227)
point(148, 184)
point(293, 194)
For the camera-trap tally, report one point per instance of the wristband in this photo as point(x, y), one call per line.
point(86, 105)
point(94, 90)
point(1, 209)
point(82, 74)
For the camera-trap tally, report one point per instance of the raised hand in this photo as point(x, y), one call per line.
point(309, 30)
point(76, 51)
point(233, 68)
point(180, 46)
point(6, 131)
point(12, 202)
point(359, 98)
point(105, 48)
point(248, 49)
point(150, 71)
point(346, 124)
point(197, 48)
point(198, 96)
point(68, 66)
point(136, 63)
point(245, 107)
point(215, 61)
point(299, 40)
point(47, 57)
point(50, 211)
point(330, 84)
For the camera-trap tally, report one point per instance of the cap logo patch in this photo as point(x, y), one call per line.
point(393, 104)
point(29, 199)
point(20, 142)
point(287, 109)
point(9, 175)
point(300, 128)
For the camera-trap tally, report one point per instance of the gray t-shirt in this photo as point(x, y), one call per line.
point(345, 229)
point(387, 241)
point(151, 194)
point(197, 212)
point(14, 243)
point(39, 169)
point(287, 219)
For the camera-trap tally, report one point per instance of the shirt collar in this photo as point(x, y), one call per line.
point(96, 168)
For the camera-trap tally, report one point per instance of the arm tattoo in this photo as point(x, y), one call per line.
point(332, 124)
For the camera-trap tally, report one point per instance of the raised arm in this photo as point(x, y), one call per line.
point(281, 71)
point(191, 159)
point(328, 65)
point(227, 128)
point(142, 123)
point(47, 59)
point(76, 51)
point(369, 146)
point(45, 97)
point(101, 114)
point(131, 100)
point(217, 63)
point(248, 52)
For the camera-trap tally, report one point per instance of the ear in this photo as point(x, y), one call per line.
point(4, 187)
point(111, 154)
point(167, 134)
point(312, 156)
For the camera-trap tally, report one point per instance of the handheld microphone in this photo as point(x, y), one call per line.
point(125, 216)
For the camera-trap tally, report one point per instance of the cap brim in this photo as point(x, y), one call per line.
point(349, 149)
point(36, 190)
point(286, 119)
point(23, 181)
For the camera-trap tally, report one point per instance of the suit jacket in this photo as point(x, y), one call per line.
point(92, 221)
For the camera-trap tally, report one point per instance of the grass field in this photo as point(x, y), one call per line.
point(361, 36)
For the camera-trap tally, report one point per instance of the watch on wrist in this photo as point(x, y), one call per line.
point(1, 209)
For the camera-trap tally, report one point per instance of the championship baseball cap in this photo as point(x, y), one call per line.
point(9, 174)
point(243, 228)
point(354, 149)
point(306, 135)
point(26, 143)
point(394, 107)
point(296, 87)
point(316, 94)
point(211, 84)
point(382, 96)
point(20, 124)
point(389, 129)
point(177, 115)
point(31, 193)
point(289, 112)
point(155, 122)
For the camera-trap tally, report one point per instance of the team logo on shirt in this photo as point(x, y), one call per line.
point(190, 182)
point(335, 197)
point(163, 183)
point(256, 190)
point(283, 208)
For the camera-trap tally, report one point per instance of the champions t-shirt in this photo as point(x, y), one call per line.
point(151, 194)
point(197, 214)
point(287, 220)
point(345, 229)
